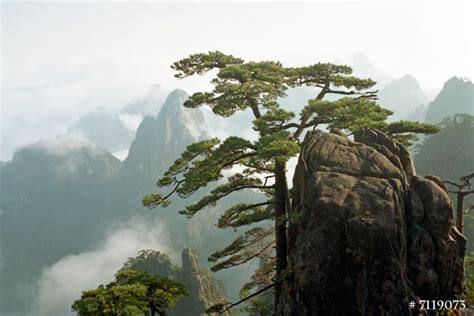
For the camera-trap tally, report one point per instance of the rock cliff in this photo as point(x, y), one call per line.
point(369, 234)
point(205, 291)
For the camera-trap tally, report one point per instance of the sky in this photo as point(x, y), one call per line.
point(60, 60)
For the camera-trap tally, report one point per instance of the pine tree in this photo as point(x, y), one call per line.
point(132, 293)
point(257, 86)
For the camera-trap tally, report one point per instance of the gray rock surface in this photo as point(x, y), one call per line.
point(205, 291)
point(370, 235)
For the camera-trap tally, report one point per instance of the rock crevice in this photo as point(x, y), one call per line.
point(370, 234)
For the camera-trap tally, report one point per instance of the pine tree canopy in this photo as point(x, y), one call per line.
point(132, 293)
point(259, 165)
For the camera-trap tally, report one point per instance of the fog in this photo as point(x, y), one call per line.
point(62, 282)
point(62, 60)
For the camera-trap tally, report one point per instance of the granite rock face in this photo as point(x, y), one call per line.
point(206, 291)
point(369, 235)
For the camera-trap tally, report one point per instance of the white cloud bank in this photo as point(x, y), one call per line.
point(62, 282)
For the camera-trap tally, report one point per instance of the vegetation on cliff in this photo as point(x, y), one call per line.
point(256, 86)
point(132, 292)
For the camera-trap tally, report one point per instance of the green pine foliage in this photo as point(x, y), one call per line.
point(260, 165)
point(131, 293)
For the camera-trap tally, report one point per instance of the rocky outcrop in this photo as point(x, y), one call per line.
point(205, 291)
point(370, 235)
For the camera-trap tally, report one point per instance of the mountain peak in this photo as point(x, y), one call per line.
point(362, 67)
point(176, 98)
point(361, 59)
point(408, 77)
point(149, 104)
point(457, 96)
point(457, 81)
point(65, 155)
point(406, 82)
point(62, 145)
point(159, 140)
point(174, 114)
point(156, 93)
point(403, 96)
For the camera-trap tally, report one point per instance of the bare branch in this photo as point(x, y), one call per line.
point(469, 209)
point(454, 184)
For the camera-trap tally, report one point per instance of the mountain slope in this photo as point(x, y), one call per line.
point(115, 131)
point(403, 96)
point(103, 128)
point(457, 96)
point(449, 153)
point(362, 67)
point(60, 198)
point(150, 104)
point(159, 141)
point(53, 194)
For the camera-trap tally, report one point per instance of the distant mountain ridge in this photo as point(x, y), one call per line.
point(103, 128)
point(150, 104)
point(362, 67)
point(114, 130)
point(160, 140)
point(457, 96)
point(403, 96)
point(62, 193)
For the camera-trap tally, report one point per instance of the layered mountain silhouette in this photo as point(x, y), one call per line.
point(150, 104)
point(457, 96)
point(59, 197)
point(103, 128)
point(115, 130)
point(404, 97)
point(362, 67)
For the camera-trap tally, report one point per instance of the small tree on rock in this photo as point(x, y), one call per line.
point(132, 293)
point(463, 189)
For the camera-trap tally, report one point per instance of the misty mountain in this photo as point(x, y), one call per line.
point(52, 196)
point(362, 67)
point(403, 96)
point(160, 140)
point(449, 154)
point(63, 195)
point(114, 130)
point(457, 96)
point(417, 115)
point(150, 104)
point(103, 128)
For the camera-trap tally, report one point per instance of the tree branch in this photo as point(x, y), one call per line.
point(454, 184)
point(218, 308)
point(366, 94)
point(469, 209)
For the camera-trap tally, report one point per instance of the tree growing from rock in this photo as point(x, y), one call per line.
point(132, 292)
point(463, 189)
point(257, 86)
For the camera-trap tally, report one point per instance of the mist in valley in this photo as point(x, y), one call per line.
point(92, 116)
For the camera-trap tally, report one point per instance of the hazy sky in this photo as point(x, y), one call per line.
point(61, 60)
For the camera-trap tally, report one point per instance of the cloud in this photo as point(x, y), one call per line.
point(62, 282)
point(63, 145)
point(131, 121)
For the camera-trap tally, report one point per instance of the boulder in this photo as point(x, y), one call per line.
point(369, 235)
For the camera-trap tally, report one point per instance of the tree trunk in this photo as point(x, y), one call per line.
point(460, 213)
point(281, 189)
